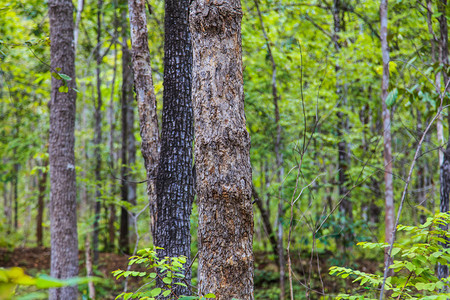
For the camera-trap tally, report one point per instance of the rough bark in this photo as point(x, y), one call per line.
point(42, 186)
point(126, 100)
point(388, 179)
point(444, 177)
point(146, 100)
point(223, 170)
point(64, 237)
point(98, 137)
point(175, 180)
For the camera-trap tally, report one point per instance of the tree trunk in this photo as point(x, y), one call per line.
point(145, 96)
point(266, 223)
point(126, 99)
point(175, 181)
point(388, 180)
point(42, 186)
point(98, 137)
point(64, 237)
point(444, 177)
point(223, 170)
point(345, 208)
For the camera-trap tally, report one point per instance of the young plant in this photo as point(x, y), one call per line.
point(414, 261)
point(168, 270)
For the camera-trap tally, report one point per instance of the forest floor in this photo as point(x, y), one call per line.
point(37, 260)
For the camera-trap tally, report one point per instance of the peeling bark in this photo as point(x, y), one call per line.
point(222, 144)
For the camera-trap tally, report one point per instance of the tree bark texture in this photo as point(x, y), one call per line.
point(145, 96)
point(42, 186)
point(64, 237)
point(222, 144)
point(444, 177)
point(175, 180)
point(388, 179)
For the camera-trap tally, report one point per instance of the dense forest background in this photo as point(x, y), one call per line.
point(313, 75)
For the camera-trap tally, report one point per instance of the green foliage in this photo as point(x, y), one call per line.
point(414, 259)
point(168, 270)
point(11, 278)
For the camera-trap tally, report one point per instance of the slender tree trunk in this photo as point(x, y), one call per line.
point(63, 217)
point(146, 100)
point(444, 177)
point(15, 183)
point(388, 180)
point(111, 141)
point(345, 207)
point(98, 137)
point(224, 182)
point(127, 97)
point(42, 186)
point(175, 180)
point(278, 157)
point(266, 223)
point(80, 7)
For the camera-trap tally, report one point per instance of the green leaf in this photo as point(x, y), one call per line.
point(155, 292)
point(166, 293)
point(167, 280)
point(210, 295)
point(63, 89)
point(65, 77)
point(392, 97)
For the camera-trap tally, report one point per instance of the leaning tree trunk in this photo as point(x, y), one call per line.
point(63, 218)
point(175, 181)
point(388, 180)
point(222, 144)
point(146, 100)
point(444, 177)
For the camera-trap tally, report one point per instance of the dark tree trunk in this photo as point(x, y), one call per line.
point(42, 186)
point(126, 99)
point(63, 217)
point(146, 100)
point(388, 178)
point(342, 127)
point(223, 170)
point(444, 177)
point(98, 136)
point(175, 181)
point(15, 183)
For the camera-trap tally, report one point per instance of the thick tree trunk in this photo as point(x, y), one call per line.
point(175, 180)
point(223, 170)
point(42, 186)
point(145, 96)
point(98, 137)
point(388, 179)
point(64, 237)
point(444, 177)
point(126, 99)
